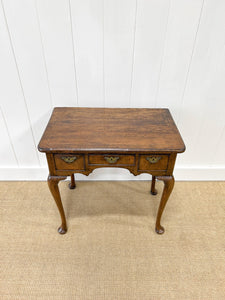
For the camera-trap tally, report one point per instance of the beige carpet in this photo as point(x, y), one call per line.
point(111, 250)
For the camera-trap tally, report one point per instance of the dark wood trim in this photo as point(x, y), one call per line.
point(168, 187)
point(72, 184)
point(153, 190)
point(53, 182)
point(171, 163)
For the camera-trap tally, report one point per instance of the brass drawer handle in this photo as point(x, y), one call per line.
point(111, 159)
point(69, 159)
point(153, 159)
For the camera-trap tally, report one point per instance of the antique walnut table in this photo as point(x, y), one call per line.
point(79, 140)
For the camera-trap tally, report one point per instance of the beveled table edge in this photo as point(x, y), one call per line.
point(110, 150)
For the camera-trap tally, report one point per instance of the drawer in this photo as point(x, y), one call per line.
point(111, 159)
point(153, 162)
point(69, 161)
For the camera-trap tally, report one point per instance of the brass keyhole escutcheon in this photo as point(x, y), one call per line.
point(111, 159)
point(69, 159)
point(153, 159)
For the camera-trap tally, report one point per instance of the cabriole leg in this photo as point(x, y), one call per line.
point(153, 190)
point(53, 186)
point(72, 184)
point(168, 187)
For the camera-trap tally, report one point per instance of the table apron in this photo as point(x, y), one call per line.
point(156, 164)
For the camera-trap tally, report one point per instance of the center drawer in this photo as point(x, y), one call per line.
point(111, 159)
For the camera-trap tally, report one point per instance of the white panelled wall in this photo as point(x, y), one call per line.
point(112, 53)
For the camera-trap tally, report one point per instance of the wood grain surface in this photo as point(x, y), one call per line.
point(126, 129)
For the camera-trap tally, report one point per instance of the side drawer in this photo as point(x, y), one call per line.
point(111, 159)
point(69, 161)
point(153, 162)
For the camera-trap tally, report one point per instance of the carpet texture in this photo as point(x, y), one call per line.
point(111, 250)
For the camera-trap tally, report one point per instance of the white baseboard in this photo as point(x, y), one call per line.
point(190, 173)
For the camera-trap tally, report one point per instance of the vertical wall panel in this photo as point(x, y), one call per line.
point(218, 154)
point(181, 32)
point(113, 53)
point(202, 116)
point(23, 27)
point(87, 27)
point(55, 25)
point(12, 102)
point(210, 131)
point(151, 26)
point(119, 26)
point(218, 120)
point(7, 156)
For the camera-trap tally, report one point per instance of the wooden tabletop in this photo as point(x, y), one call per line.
point(73, 129)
